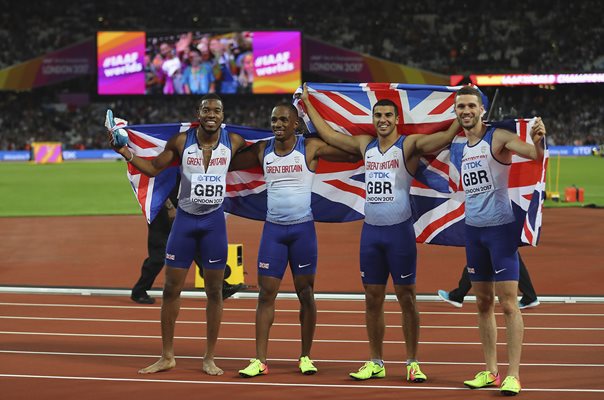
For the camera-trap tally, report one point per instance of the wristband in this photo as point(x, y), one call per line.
point(131, 157)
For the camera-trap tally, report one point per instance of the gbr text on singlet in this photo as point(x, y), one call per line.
point(476, 175)
point(379, 177)
point(208, 188)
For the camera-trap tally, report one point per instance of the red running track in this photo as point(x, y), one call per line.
point(68, 347)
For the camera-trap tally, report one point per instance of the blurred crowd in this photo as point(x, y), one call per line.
point(445, 36)
point(29, 117)
point(573, 114)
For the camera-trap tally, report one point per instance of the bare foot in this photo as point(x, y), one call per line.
point(210, 368)
point(163, 364)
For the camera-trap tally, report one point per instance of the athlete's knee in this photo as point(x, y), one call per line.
point(306, 295)
point(510, 309)
point(214, 293)
point(374, 300)
point(406, 295)
point(485, 302)
point(213, 282)
point(267, 296)
point(172, 290)
point(509, 305)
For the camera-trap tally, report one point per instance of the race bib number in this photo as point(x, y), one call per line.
point(477, 177)
point(208, 188)
point(379, 187)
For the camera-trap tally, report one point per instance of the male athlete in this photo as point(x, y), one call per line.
point(204, 155)
point(387, 239)
point(288, 162)
point(492, 232)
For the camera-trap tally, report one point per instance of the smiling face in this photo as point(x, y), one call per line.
point(283, 123)
point(468, 109)
point(211, 115)
point(385, 119)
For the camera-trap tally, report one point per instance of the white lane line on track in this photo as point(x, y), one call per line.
point(253, 309)
point(317, 360)
point(252, 294)
point(360, 326)
point(308, 385)
point(281, 339)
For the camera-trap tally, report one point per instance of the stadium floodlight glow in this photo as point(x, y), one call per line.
point(535, 79)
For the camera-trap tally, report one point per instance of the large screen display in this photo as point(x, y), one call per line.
point(184, 63)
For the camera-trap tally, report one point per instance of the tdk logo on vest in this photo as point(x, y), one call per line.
point(472, 164)
point(379, 175)
point(209, 178)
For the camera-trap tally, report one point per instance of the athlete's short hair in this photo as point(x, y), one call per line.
point(292, 109)
point(386, 102)
point(209, 96)
point(469, 90)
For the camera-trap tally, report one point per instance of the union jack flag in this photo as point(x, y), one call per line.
point(437, 195)
point(338, 188)
point(147, 141)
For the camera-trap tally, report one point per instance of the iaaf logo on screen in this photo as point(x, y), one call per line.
point(271, 64)
point(122, 64)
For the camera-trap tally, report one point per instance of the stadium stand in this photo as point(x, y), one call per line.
point(449, 37)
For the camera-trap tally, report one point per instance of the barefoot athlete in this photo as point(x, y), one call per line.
point(204, 154)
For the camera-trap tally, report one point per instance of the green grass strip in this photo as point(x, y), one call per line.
point(69, 188)
point(101, 187)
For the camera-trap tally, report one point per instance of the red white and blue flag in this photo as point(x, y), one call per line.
point(147, 141)
point(339, 188)
point(437, 195)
